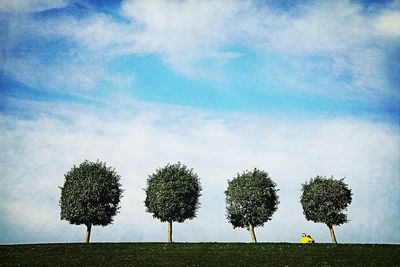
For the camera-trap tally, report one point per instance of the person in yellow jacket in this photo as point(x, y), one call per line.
point(306, 239)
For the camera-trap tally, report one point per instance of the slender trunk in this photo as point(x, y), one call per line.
point(88, 230)
point(252, 233)
point(332, 233)
point(170, 231)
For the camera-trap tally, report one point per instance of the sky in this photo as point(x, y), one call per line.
point(295, 88)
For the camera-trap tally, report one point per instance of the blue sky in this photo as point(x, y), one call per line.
point(245, 60)
point(278, 82)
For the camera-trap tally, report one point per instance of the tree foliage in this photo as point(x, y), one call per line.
point(91, 194)
point(172, 193)
point(251, 199)
point(324, 199)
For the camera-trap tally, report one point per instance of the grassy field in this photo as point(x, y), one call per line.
point(199, 254)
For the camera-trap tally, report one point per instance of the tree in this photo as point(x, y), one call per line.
point(172, 194)
point(323, 201)
point(251, 200)
point(90, 195)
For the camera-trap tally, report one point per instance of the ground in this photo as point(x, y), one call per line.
point(199, 254)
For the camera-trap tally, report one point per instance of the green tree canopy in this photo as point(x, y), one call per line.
point(324, 200)
point(251, 200)
point(172, 194)
point(90, 195)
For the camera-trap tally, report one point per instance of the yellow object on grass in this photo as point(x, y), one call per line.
point(306, 240)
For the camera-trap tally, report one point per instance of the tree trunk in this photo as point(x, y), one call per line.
point(332, 233)
point(170, 231)
point(88, 230)
point(252, 234)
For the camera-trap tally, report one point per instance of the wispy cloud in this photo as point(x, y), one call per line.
point(347, 45)
point(341, 40)
point(388, 24)
point(31, 5)
point(189, 31)
point(36, 154)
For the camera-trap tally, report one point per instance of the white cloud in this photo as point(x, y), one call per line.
point(389, 24)
point(96, 32)
point(319, 28)
point(30, 5)
point(339, 40)
point(187, 32)
point(79, 75)
point(351, 42)
point(76, 69)
point(37, 152)
point(336, 39)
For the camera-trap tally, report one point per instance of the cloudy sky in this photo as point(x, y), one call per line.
point(296, 88)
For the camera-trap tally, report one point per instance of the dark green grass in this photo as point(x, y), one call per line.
point(199, 254)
